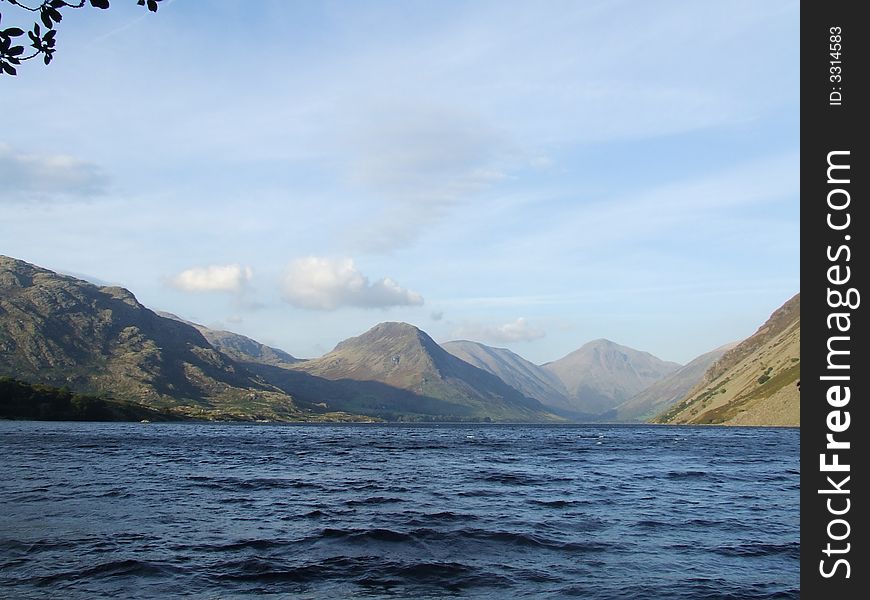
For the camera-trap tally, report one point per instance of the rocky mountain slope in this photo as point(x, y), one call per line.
point(404, 357)
point(754, 383)
point(667, 391)
point(601, 375)
point(239, 347)
point(62, 331)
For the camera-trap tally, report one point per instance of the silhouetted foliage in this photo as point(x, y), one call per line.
point(20, 400)
point(43, 33)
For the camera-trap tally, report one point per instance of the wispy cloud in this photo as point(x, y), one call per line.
point(418, 163)
point(327, 284)
point(27, 176)
point(518, 330)
point(214, 278)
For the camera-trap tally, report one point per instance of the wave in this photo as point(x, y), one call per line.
point(459, 536)
point(368, 571)
point(790, 549)
point(231, 484)
point(558, 503)
point(373, 500)
point(686, 474)
point(115, 568)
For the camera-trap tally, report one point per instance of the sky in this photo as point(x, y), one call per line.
point(530, 175)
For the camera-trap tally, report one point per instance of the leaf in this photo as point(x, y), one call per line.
point(47, 58)
point(15, 51)
point(57, 3)
point(100, 4)
point(9, 69)
point(152, 5)
point(13, 32)
point(46, 20)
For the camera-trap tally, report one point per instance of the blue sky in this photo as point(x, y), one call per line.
point(529, 175)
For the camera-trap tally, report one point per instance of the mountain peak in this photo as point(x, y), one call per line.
point(601, 374)
point(393, 328)
point(389, 336)
point(601, 342)
point(404, 357)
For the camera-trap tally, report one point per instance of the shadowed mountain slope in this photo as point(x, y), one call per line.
point(239, 347)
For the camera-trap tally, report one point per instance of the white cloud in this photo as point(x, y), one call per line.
point(326, 284)
point(44, 176)
point(519, 330)
point(214, 278)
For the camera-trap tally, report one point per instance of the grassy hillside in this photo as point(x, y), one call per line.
point(755, 383)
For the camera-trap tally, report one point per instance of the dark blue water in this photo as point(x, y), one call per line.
point(376, 511)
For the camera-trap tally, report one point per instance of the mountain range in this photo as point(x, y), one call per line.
point(404, 357)
point(61, 331)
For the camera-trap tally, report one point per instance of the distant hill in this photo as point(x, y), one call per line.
point(62, 331)
point(667, 391)
point(754, 383)
point(602, 374)
point(404, 357)
point(239, 347)
point(530, 379)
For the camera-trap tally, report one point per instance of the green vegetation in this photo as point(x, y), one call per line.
point(789, 376)
point(21, 400)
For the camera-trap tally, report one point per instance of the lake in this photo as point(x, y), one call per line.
point(129, 510)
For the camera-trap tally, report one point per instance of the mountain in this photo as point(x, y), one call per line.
point(754, 383)
point(62, 331)
point(405, 358)
point(668, 390)
point(528, 378)
point(602, 374)
point(238, 347)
